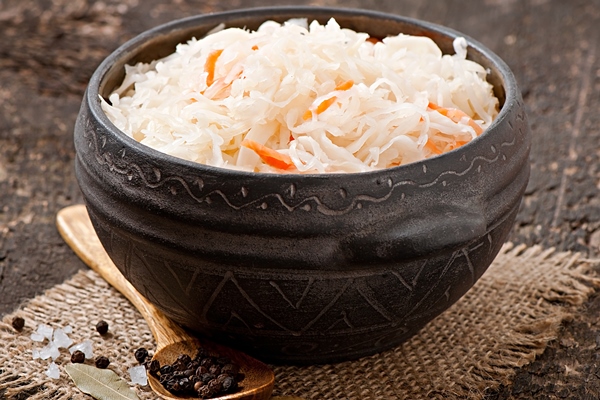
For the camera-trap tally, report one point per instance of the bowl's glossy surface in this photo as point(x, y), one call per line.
point(313, 268)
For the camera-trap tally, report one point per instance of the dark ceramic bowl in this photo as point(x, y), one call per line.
point(301, 268)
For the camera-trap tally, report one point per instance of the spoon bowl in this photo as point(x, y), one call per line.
point(171, 340)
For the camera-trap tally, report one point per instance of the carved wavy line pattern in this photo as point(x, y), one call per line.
point(129, 169)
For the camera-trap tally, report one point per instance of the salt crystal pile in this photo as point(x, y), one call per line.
point(57, 339)
point(138, 375)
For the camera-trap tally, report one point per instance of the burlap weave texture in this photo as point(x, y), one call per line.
point(501, 324)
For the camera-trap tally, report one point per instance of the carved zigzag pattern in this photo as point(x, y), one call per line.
point(432, 300)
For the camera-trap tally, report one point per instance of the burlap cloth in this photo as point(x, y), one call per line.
point(501, 324)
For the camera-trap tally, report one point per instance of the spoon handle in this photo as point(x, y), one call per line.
point(75, 227)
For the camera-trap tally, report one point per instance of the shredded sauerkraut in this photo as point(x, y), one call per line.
point(294, 97)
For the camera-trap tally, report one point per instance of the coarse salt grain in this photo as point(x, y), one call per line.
point(45, 330)
point(138, 375)
point(85, 347)
point(53, 371)
point(36, 337)
point(60, 339)
point(35, 353)
point(50, 351)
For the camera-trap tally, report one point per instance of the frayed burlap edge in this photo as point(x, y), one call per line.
point(501, 324)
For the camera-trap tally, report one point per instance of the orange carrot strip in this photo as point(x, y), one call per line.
point(456, 115)
point(345, 85)
point(373, 40)
point(269, 156)
point(255, 47)
point(432, 147)
point(325, 104)
point(209, 66)
point(433, 106)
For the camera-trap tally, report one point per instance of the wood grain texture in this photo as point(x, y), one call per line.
point(49, 50)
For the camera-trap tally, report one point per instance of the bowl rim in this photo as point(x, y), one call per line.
point(92, 93)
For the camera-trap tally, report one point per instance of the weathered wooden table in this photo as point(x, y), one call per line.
point(49, 49)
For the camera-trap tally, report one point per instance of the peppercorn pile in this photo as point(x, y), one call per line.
point(204, 376)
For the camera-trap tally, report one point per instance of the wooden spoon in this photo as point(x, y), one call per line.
point(76, 229)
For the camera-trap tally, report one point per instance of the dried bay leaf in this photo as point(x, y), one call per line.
point(102, 384)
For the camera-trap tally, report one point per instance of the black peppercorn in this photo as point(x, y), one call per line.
point(229, 384)
point(185, 384)
point(189, 372)
point(198, 385)
point(184, 359)
point(18, 323)
point(77, 357)
point(207, 362)
point(166, 369)
point(178, 374)
point(215, 369)
point(205, 392)
point(102, 327)
point(175, 386)
point(153, 367)
point(207, 377)
point(141, 354)
point(215, 385)
point(102, 362)
point(179, 365)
